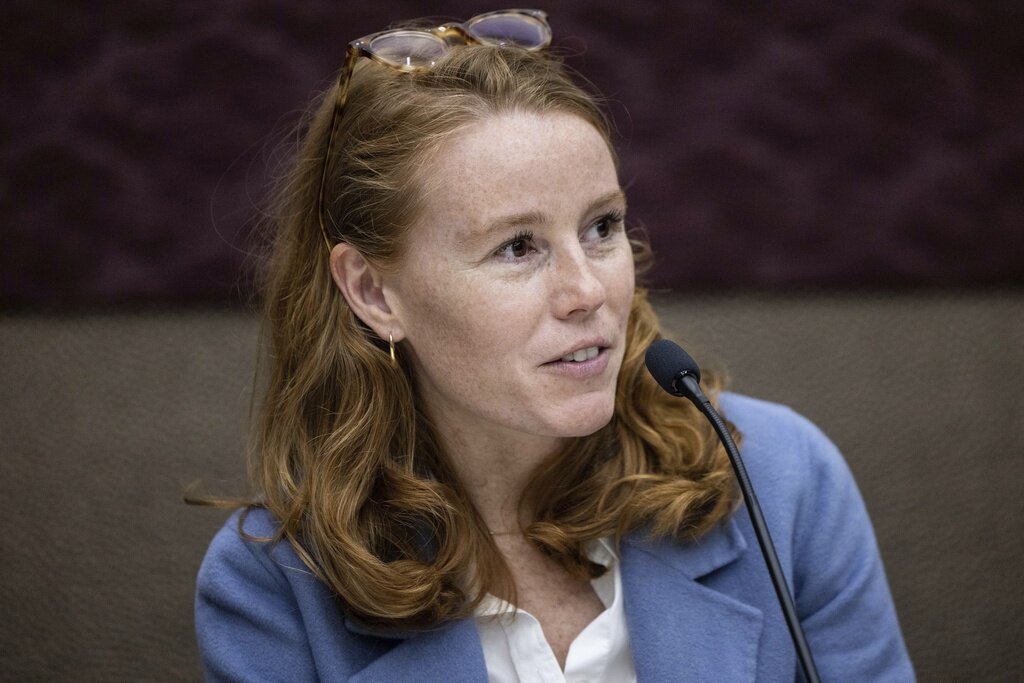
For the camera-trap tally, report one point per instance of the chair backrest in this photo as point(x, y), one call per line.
point(105, 418)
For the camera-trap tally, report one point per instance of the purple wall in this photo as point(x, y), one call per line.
point(765, 145)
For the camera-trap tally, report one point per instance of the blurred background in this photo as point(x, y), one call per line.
point(834, 191)
point(764, 145)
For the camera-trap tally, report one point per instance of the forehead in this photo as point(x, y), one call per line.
point(513, 163)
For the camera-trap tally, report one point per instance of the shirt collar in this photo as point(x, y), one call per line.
point(600, 551)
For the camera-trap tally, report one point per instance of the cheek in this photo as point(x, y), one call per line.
point(462, 317)
point(621, 281)
point(459, 339)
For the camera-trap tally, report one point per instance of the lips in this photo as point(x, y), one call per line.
point(580, 355)
point(582, 351)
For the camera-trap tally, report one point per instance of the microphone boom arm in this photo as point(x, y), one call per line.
point(687, 385)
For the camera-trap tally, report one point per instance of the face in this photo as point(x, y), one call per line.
point(515, 290)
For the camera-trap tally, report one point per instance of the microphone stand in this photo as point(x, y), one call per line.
point(687, 385)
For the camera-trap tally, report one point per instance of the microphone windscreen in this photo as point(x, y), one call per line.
point(665, 360)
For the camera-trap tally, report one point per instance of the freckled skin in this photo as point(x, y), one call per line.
point(481, 319)
point(482, 311)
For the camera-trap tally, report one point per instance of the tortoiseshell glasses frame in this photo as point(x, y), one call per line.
point(418, 49)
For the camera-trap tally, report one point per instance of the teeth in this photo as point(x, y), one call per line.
point(581, 355)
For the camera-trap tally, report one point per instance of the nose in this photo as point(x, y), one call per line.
point(578, 289)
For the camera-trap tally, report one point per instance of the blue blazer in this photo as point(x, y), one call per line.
point(700, 611)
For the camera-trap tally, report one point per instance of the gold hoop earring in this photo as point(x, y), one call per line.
point(391, 349)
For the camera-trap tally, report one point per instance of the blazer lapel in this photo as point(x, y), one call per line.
point(452, 653)
point(681, 630)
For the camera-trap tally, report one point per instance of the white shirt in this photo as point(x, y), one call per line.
point(516, 651)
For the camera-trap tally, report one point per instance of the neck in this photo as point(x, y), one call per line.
point(495, 469)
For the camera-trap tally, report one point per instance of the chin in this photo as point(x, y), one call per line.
point(585, 420)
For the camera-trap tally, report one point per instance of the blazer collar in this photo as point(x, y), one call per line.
point(680, 629)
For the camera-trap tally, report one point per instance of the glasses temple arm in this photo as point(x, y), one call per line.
point(341, 96)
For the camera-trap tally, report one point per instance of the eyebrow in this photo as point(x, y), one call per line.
point(505, 223)
point(616, 195)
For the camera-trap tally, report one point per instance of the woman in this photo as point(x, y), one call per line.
point(463, 470)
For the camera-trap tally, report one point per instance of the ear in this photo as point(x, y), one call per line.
point(362, 286)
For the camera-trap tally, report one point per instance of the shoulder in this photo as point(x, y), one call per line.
point(762, 422)
point(807, 492)
point(782, 447)
point(245, 608)
point(246, 569)
point(256, 605)
point(244, 548)
point(824, 539)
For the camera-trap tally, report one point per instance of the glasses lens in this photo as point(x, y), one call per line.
point(408, 49)
point(511, 29)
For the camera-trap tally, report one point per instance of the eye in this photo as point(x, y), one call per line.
point(518, 247)
point(604, 226)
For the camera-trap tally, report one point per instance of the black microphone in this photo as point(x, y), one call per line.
point(678, 374)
